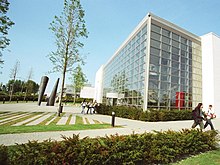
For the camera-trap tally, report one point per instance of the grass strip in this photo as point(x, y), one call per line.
point(48, 128)
point(79, 120)
point(54, 122)
point(210, 157)
point(12, 122)
point(9, 115)
point(69, 118)
point(48, 119)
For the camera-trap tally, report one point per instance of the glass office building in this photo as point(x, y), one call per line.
point(158, 66)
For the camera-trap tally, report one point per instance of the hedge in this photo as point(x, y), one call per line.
point(148, 148)
point(150, 115)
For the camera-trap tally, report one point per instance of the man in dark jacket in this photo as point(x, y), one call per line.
point(198, 117)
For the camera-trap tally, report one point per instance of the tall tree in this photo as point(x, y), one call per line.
point(79, 80)
point(5, 24)
point(17, 85)
point(68, 29)
point(13, 75)
point(31, 87)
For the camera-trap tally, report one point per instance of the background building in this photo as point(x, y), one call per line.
point(159, 66)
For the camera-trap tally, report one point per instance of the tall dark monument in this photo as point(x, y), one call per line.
point(53, 94)
point(43, 85)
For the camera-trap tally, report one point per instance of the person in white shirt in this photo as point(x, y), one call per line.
point(83, 104)
point(210, 114)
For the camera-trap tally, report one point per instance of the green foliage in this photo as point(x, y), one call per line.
point(150, 115)
point(5, 25)
point(21, 86)
point(79, 78)
point(148, 148)
point(19, 98)
point(3, 155)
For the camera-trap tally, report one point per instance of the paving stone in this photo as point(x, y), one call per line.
point(28, 120)
point(91, 121)
point(51, 120)
point(73, 119)
point(7, 114)
point(6, 120)
point(84, 120)
point(39, 120)
point(63, 119)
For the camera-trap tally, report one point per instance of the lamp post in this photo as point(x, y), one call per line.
point(113, 119)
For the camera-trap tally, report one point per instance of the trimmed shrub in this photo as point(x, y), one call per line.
point(148, 148)
point(3, 155)
point(150, 115)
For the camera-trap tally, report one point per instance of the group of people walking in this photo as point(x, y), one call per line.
point(91, 107)
point(199, 115)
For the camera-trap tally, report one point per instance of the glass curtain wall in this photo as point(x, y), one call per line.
point(124, 74)
point(175, 80)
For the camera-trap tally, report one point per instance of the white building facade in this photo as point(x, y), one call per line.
point(211, 71)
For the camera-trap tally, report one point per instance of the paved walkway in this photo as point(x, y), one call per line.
point(128, 126)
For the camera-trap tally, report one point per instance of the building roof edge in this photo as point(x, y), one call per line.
point(211, 33)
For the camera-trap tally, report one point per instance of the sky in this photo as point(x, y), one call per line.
point(109, 23)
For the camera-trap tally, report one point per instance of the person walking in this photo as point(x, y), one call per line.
point(94, 106)
point(198, 116)
point(210, 114)
point(83, 104)
point(89, 106)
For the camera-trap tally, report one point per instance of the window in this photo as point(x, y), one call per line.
point(175, 80)
point(183, 47)
point(155, 28)
point(166, 54)
point(155, 36)
point(155, 51)
point(155, 44)
point(165, 40)
point(164, 86)
point(153, 84)
point(166, 32)
point(175, 37)
point(154, 60)
point(165, 61)
point(165, 70)
point(184, 40)
point(165, 78)
point(175, 43)
point(175, 57)
point(175, 50)
point(165, 47)
point(175, 64)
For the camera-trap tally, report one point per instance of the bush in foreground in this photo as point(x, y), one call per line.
point(147, 148)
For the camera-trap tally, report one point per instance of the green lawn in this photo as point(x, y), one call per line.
point(7, 128)
point(208, 158)
point(52, 127)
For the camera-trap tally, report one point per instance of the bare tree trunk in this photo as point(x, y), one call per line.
point(14, 73)
point(11, 92)
point(25, 95)
point(61, 94)
point(60, 106)
point(74, 96)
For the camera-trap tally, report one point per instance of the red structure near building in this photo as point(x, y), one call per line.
point(180, 99)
